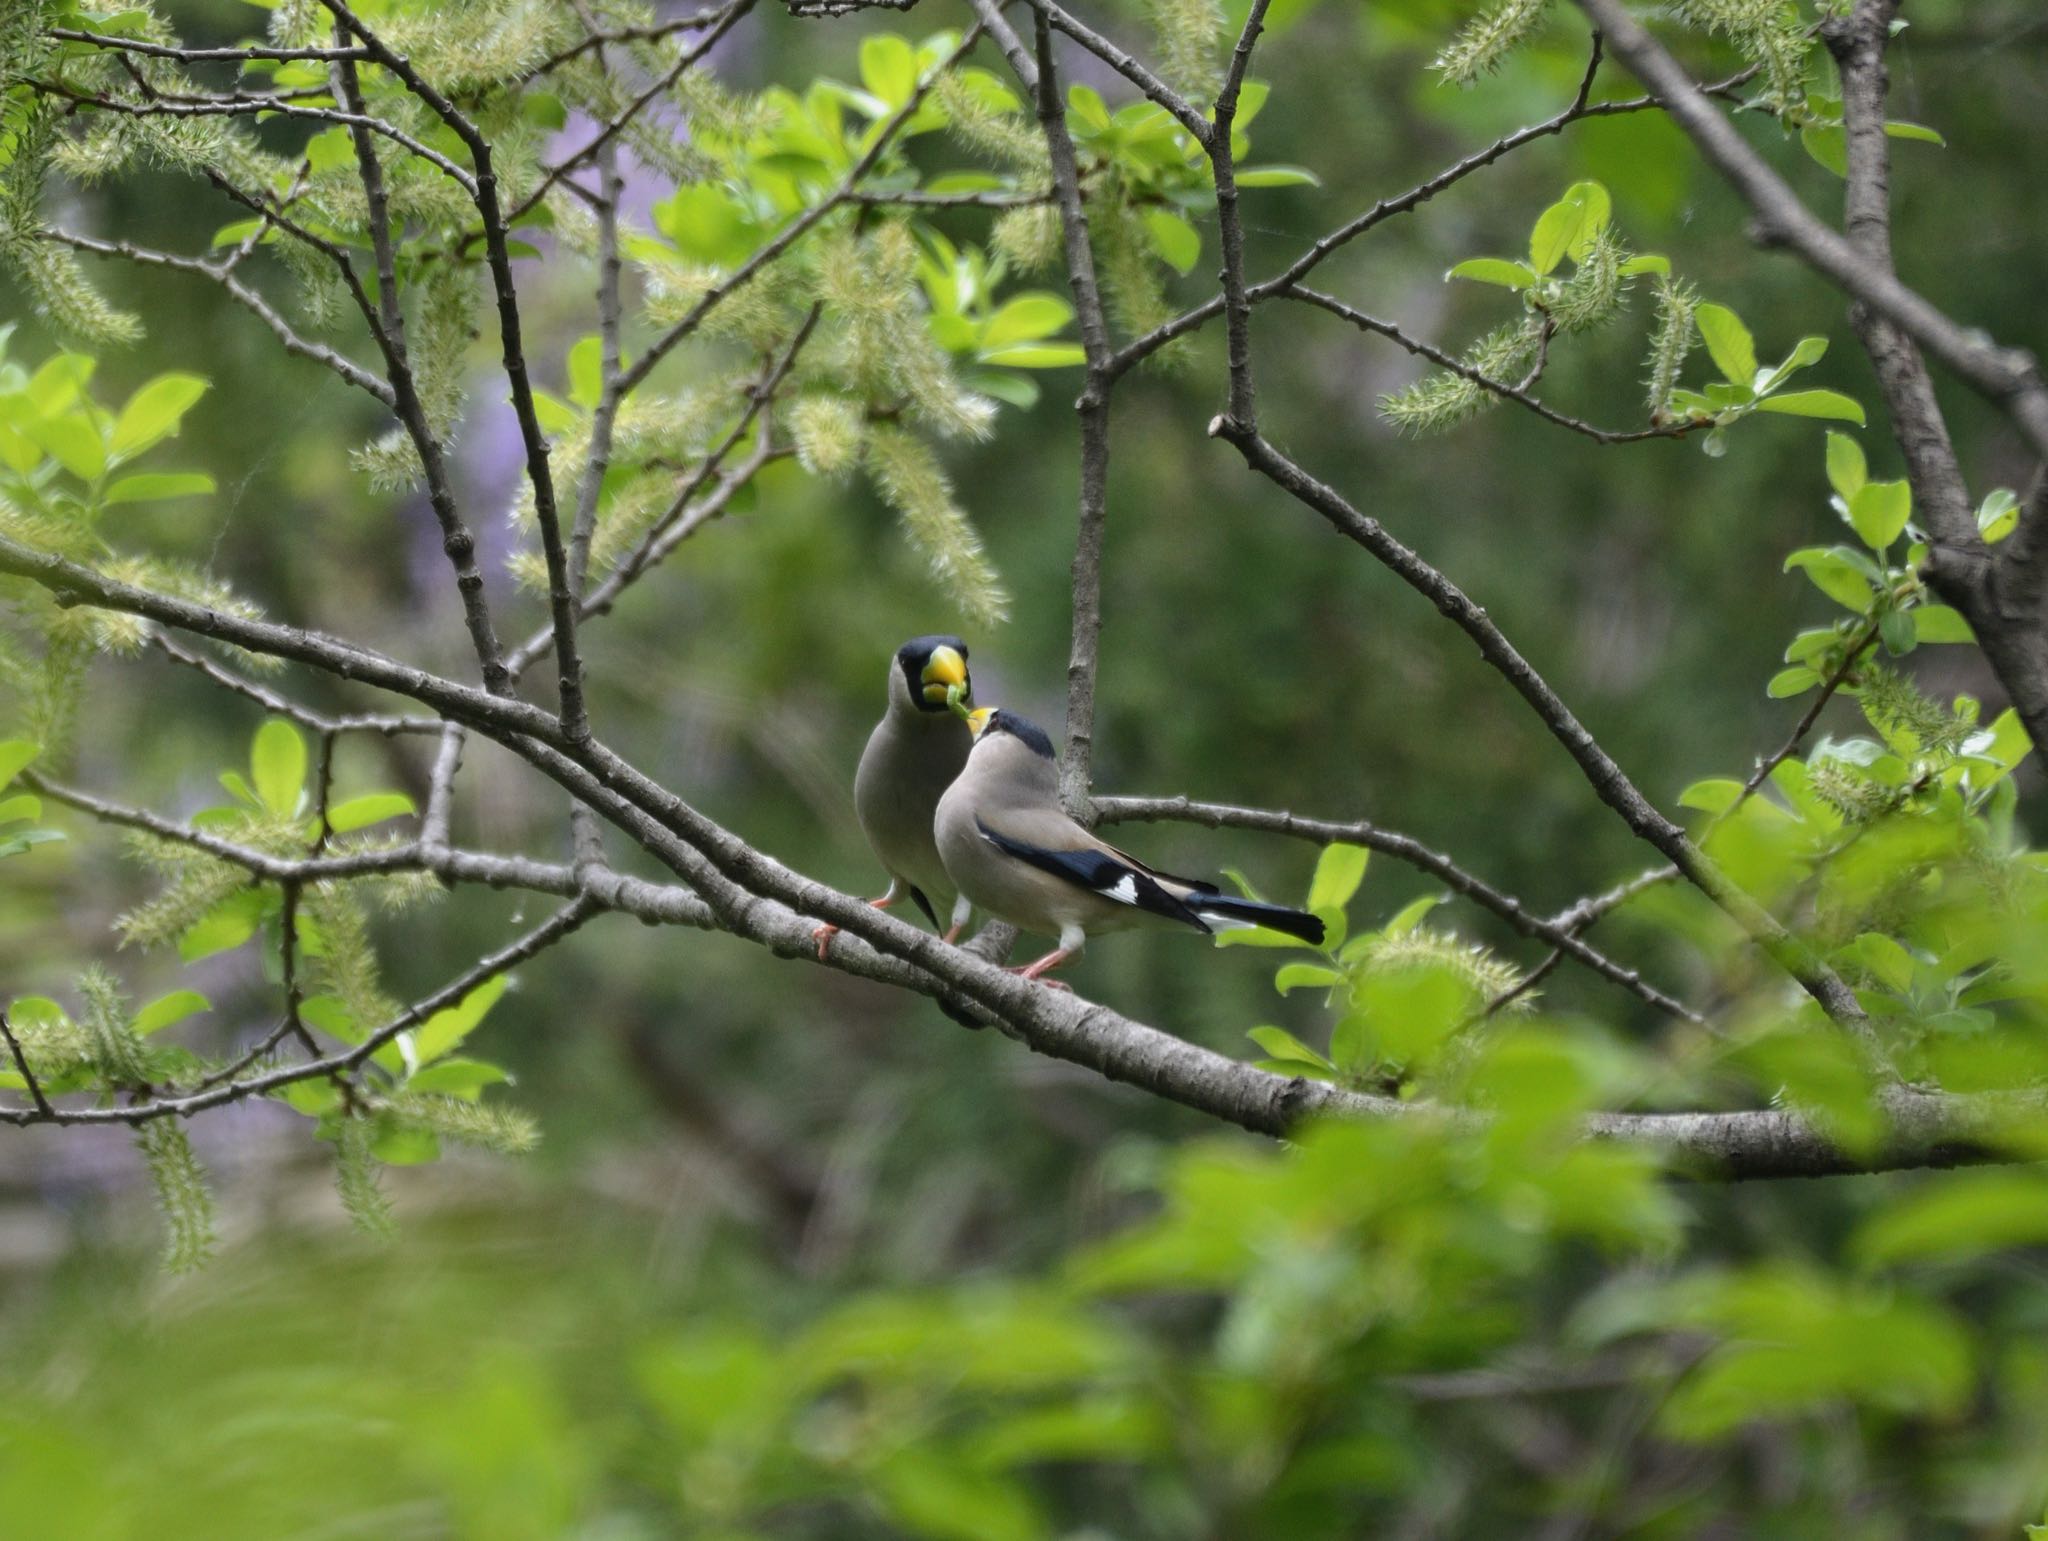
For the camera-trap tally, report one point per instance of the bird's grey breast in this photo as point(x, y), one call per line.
point(903, 774)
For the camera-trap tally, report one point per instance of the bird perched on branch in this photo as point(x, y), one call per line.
point(1012, 850)
point(915, 752)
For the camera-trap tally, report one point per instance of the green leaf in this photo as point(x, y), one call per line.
point(556, 416)
point(16, 754)
point(1794, 681)
point(888, 67)
point(1716, 794)
point(1835, 575)
point(1728, 342)
point(397, 1144)
point(586, 371)
point(1885, 958)
point(1339, 870)
point(450, 1025)
point(1017, 390)
point(155, 486)
point(168, 1009)
point(1941, 623)
point(1569, 227)
point(277, 766)
point(1026, 318)
point(1805, 353)
point(457, 1077)
point(1648, 262)
point(73, 442)
point(1896, 629)
point(1828, 144)
point(1312, 976)
point(1410, 915)
point(371, 808)
point(223, 928)
point(1037, 355)
point(1176, 241)
point(154, 413)
point(1998, 515)
point(1277, 176)
point(1956, 1217)
point(330, 149)
point(1815, 404)
point(1898, 129)
point(1879, 511)
point(1283, 1045)
point(1847, 470)
point(1086, 103)
point(23, 805)
point(1494, 270)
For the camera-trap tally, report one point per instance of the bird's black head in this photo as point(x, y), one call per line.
point(929, 666)
point(1025, 731)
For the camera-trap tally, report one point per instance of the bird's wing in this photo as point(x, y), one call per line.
point(1055, 844)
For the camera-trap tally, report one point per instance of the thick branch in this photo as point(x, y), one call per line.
point(2007, 376)
point(2004, 610)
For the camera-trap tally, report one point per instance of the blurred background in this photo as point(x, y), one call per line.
point(731, 1135)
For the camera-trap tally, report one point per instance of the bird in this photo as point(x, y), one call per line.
point(913, 755)
point(1013, 852)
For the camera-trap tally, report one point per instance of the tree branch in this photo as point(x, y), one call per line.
point(1609, 782)
point(1143, 347)
point(1236, 308)
point(1401, 847)
point(1127, 65)
point(1518, 393)
point(242, 295)
point(1092, 409)
point(2007, 376)
point(794, 231)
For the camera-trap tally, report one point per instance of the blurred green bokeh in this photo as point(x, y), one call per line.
point(731, 1138)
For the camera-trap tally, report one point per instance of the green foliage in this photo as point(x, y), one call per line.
point(16, 755)
point(1770, 34)
point(1409, 998)
point(1488, 39)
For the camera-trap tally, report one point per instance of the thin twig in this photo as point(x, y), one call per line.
point(797, 228)
point(1518, 394)
point(30, 1084)
point(241, 294)
point(1403, 848)
point(1607, 779)
point(1092, 410)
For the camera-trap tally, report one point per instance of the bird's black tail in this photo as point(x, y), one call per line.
point(1229, 914)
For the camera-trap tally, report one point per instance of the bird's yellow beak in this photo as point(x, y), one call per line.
point(978, 718)
point(942, 671)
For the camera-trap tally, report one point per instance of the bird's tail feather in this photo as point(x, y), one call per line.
point(1230, 914)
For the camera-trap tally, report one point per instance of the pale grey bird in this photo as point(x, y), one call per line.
point(913, 755)
point(1012, 850)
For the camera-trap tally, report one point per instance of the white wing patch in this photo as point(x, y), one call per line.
point(1124, 890)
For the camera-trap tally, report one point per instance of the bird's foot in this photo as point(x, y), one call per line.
point(953, 932)
point(823, 935)
point(1045, 965)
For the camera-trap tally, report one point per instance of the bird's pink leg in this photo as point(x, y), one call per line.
point(1044, 966)
point(823, 935)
